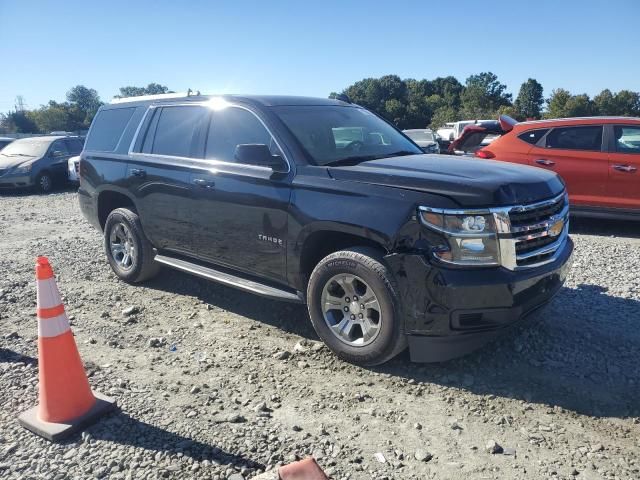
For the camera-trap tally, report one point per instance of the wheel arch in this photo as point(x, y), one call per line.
point(109, 200)
point(317, 244)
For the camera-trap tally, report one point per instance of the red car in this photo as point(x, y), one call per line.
point(597, 157)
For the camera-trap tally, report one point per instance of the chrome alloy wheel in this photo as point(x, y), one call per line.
point(122, 246)
point(351, 310)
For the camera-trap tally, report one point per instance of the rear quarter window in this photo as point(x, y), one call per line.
point(107, 129)
point(532, 136)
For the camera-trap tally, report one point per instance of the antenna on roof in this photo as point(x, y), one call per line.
point(343, 98)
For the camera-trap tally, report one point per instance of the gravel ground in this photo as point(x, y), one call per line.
point(218, 384)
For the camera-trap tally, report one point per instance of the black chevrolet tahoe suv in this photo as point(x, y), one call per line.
point(321, 201)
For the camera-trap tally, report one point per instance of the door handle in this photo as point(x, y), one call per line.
point(625, 168)
point(138, 172)
point(201, 182)
point(545, 162)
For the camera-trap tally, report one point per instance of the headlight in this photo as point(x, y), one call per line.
point(22, 169)
point(471, 235)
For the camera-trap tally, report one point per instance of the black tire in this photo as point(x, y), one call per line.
point(142, 267)
point(368, 265)
point(44, 182)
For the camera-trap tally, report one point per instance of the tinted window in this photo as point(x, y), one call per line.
point(576, 138)
point(74, 145)
point(627, 139)
point(176, 130)
point(147, 143)
point(232, 127)
point(60, 146)
point(532, 136)
point(107, 129)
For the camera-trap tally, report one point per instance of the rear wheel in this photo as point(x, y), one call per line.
point(129, 252)
point(354, 307)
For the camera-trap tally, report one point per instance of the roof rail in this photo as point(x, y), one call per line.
point(160, 96)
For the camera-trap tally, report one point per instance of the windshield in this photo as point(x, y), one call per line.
point(335, 134)
point(420, 135)
point(27, 147)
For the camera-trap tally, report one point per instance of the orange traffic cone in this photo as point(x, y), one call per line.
point(307, 469)
point(66, 400)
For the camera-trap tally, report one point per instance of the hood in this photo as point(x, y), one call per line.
point(470, 182)
point(11, 161)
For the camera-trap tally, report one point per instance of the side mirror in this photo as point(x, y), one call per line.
point(259, 154)
point(57, 153)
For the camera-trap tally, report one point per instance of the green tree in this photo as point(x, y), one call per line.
point(17, 122)
point(605, 103)
point(83, 105)
point(483, 96)
point(562, 104)
point(151, 89)
point(55, 116)
point(443, 115)
point(448, 89)
point(529, 101)
point(557, 103)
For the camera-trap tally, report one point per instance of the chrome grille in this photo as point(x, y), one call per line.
point(537, 231)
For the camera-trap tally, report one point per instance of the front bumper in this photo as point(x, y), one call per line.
point(451, 312)
point(15, 181)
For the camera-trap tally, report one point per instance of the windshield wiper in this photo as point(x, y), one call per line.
point(402, 153)
point(352, 160)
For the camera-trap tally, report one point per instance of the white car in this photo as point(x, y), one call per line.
point(73, 169)
point(425, 139)
point(447, 132)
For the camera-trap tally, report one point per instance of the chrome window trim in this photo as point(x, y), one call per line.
point(508, 236)
point(208, 161)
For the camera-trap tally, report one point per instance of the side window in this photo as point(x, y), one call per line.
point(74, 145)
point(147, 142)
point(59, 146)
point(532, 136)
point(576, 138)
point(107, 129)
point(627, 139)
point(232, 127)
point(176, 129)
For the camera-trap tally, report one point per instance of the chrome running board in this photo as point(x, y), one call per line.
point(230, 279)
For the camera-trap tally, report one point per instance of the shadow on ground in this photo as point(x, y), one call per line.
point(126, 430)
point(10, 356)
point(290, 317)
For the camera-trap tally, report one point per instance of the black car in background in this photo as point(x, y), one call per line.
point(39, 162)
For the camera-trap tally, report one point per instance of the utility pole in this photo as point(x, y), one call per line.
point(19, 103)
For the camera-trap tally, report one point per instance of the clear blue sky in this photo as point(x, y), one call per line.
point(311, 48)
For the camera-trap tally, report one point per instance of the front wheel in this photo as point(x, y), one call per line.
point(44, 182)
point(128, 250)
point(354, 307)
